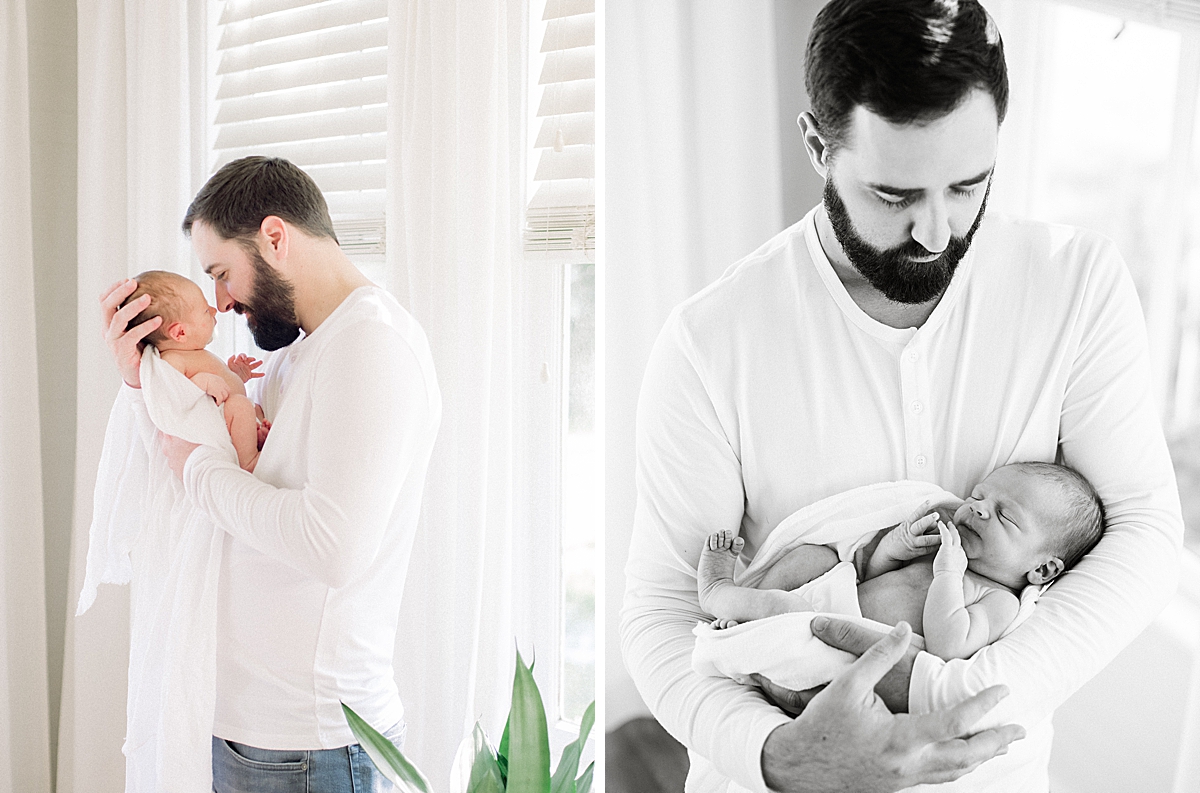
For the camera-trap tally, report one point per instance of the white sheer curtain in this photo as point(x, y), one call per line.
point(24, 708)
point(134, 187)
point(455, 72)
point(692, 184)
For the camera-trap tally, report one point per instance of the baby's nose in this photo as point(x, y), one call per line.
point(981, 510)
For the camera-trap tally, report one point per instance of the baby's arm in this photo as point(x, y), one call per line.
point(905, 542)
point(952, 628)
point(212, 384)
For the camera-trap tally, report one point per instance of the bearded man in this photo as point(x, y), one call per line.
point(897, 332)
point(321, 532)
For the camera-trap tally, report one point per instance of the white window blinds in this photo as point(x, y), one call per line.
point(562, 212)
point(307, 80)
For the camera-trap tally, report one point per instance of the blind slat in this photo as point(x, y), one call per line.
point(567, 8)
point(573, 162)
point(306, 19)
point(1182, 15)
point(576, 64)
point(295, 75)
point(356, 202)
point(578, 96)
point(355, 121)
point(348, 176)
point(303, 100)
point(576, 128)
point(316, 152)
point(237, 10)
point(570, 32)
point(331, 42)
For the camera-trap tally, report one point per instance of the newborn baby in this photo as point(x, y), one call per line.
point(1025, 523)
point(187, 326)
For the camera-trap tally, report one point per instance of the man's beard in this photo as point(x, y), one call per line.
point(893, 271)
point(271, 307)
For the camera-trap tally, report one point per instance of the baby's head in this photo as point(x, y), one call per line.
point(188, 321)
point(1026, 523)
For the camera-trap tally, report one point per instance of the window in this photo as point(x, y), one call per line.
point(1106, 138)
point(561, 270)
point(306, 80)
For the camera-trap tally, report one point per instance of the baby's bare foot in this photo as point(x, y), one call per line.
point(723, 624)
point(715, 571)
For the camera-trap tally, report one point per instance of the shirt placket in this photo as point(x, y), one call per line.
point(919, 457)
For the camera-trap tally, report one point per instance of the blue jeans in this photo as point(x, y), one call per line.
point(238, 768)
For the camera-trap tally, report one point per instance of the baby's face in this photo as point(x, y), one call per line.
point(1007, 524)
point(198, 318)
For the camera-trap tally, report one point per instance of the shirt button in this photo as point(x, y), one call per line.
point(920, 461)
point(913, 355)
point(917, 407)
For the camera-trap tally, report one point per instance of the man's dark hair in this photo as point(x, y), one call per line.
point(908, 61)
point(234, 201)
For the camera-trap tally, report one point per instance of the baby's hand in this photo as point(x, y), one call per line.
point(950, 556)
point(243, 366)
point(218, 389)
point(909, 540)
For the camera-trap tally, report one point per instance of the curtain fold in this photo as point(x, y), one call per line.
point(24, 700)
point(692, 175)
point(134, 184)
point(455, 79)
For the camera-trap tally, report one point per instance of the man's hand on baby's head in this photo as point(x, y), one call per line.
point(114, 318)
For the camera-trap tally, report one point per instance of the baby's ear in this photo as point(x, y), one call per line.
point(175, 331)
point(1046, 572)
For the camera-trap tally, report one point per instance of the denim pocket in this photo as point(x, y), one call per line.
point(280, 760)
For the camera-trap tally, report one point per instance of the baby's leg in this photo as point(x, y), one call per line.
point(243, 429)
point(725, 600)
point(799, 566)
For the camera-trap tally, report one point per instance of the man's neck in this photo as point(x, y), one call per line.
point(325, 284)
point(870, 300)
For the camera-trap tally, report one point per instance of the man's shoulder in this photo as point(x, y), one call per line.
point(1036, 255)
point(773, 271)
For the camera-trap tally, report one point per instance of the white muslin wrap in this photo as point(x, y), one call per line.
point(782, 648)
point(146, 532)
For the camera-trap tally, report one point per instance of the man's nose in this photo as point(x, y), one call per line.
point(931, 225)
point(224, 301)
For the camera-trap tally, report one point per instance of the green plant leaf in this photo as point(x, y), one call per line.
point(386, 757)
point(563, 780)
point(529, 744)
point(475, 769)
point(584, 785)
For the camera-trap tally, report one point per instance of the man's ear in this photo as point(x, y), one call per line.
point(274, 234)
point(1046, 572)
point(818, 150)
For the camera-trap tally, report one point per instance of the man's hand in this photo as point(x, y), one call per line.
point(177, 451)
point(124, 345)
point(847, 739)
point(243, 366)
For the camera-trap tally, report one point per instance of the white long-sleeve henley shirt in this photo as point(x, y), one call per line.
point(771, 389)
point(321, 532)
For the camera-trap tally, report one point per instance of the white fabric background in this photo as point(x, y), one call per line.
point(134, 185)
point(24, 713)
point(692, 183)
point(454, 186)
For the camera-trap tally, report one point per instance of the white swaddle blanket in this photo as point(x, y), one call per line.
point(782, 648)
point(146, 532)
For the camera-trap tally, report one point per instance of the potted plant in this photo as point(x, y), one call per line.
point(521, 764)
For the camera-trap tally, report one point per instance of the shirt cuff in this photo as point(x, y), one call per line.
point(920, 685)
point(757, 739)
